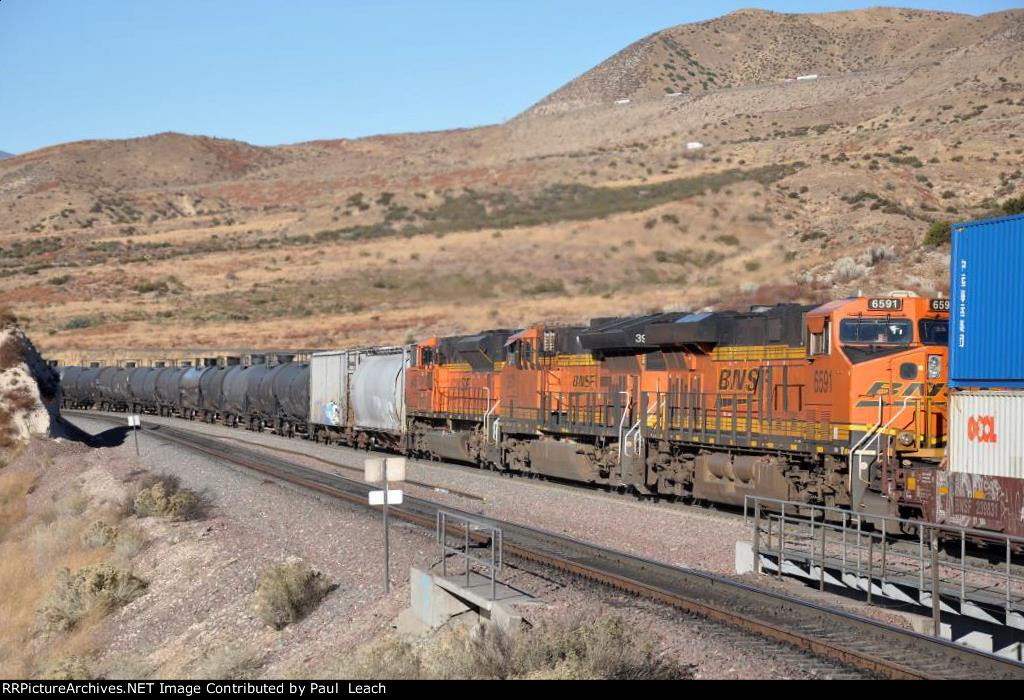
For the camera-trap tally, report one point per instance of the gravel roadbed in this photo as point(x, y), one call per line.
point(683, 535)
point(200, 605)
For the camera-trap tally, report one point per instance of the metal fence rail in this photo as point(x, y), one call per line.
point(449, 522)
point(856, 545)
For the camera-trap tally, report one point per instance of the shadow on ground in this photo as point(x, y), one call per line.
point(112, 437)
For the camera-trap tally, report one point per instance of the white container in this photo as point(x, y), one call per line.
point(694, 146)
point(986, 433)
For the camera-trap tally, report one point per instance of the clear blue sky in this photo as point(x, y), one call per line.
point(294, 70)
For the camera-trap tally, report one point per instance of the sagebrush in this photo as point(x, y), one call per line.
point(288, 592)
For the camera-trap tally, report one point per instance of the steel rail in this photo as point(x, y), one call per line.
point(843, 637)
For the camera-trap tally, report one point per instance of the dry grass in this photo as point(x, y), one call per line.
point(70, 668)
point(288, 592)
point(586, 645)
point(230, 663)
point(128, 543)
point(56, 584)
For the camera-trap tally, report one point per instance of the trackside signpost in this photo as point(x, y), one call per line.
point(386, 471)
point(135, 422)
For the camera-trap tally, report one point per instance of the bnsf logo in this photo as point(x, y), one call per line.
point(739, 380)
point(584, 381)
point(981, 429)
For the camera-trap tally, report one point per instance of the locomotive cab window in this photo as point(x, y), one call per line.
point(888, 331)
point(818, 342)
point(934, 331)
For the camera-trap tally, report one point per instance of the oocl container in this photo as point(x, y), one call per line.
point(983, 487)
point(986, 433)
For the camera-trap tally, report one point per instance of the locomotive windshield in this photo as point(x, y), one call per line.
point(934, 331)
point(888, 331)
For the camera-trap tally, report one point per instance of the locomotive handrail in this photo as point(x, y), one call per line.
point(622, 421)
point(856, 448)
point(490, 412)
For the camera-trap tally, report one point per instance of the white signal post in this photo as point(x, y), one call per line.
point(375, 471)
point(135, 422)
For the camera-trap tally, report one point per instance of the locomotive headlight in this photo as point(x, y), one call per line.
point(934, 366)
point(906, 438)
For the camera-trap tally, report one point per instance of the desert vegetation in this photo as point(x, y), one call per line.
point(162, 495)
point(288, 592)
point(66, 563)
point(591, 644)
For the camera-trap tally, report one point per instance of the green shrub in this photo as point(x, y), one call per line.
point(728, 239)
point(1014, 206)
point(938, 234)
point(81, 322)
point(60, 280)
point(812, 235)
point(288, 592)
point(546, 287)
point(101, 588)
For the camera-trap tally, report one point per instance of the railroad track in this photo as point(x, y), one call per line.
point(870, 645)
point(899, 544)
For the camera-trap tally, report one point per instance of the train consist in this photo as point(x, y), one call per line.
point(841, 404)
point(826, 404)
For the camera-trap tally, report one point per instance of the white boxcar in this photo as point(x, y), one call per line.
point(328, 378)
point(986, 433)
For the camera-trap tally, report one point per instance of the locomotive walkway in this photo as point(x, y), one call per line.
point(870, 645)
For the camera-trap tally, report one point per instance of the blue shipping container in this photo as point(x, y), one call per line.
point(986, 332)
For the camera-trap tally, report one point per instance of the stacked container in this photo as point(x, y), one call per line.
point(984, 485)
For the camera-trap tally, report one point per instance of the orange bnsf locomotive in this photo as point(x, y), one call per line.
point(828, 404)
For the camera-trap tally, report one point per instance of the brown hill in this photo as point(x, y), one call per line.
point(755, 46)
point(578, 207)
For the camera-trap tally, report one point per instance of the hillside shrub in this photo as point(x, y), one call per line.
point(92, 589)
point(288, 592)
point(1014, 205)
point(938, 234)
point(166, 498)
